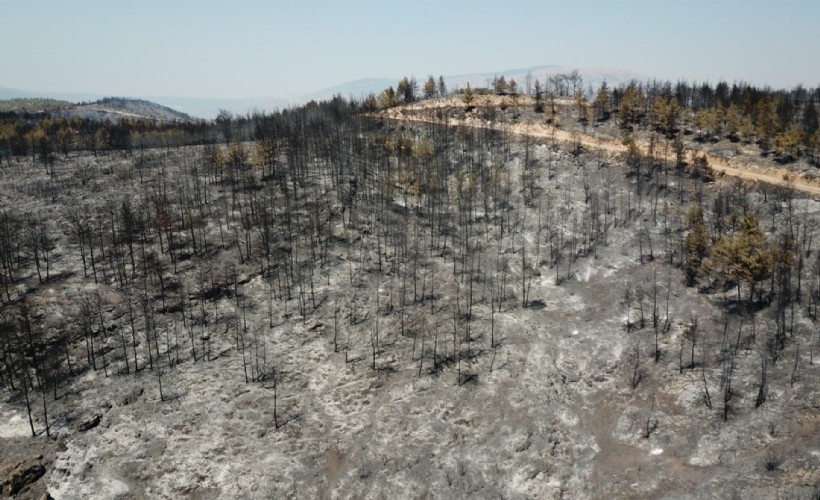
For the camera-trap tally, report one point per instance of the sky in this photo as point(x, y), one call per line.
point(272, 48)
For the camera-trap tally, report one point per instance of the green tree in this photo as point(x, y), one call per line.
point(370, 103)
point(747, 128)
point(468, 96)
point(501, 85)
point(744, 256)
point(512, 87)
point(665, 113)
point(697, 243)
point(632, 106)
point(430, 87)
point(733, 122)
point(767, 122)
point(99, 140)
point(387, 99)
point(237, 155)
point(442, 87)
point(601, 103)
point(214, 155)
point(33, 138)
point(65, 139)
point(719, 118)
point(701, 168)
point(706, 121)
point(787, 144)
point(633, 155)
point(407, 89)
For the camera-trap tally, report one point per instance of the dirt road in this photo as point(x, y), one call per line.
point(734, 168)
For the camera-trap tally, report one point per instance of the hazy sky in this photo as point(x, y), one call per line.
point(280, 48)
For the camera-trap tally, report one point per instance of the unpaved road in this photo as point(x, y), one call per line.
point(734, 168)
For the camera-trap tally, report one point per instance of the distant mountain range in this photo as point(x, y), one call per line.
point(356, 89)
point(209, 108)
point(6, 93)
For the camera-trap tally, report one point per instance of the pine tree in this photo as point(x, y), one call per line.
point(539, 98)
point(697, 243)
point(744, 256)
point(767, 123)
point(387, 99)
point(370, 104)
point(501, 86)
point(733, 122)
point(665, 112)
point(468, 97)
point(632, 105)
point(512, 87)
point(601, 103)
point(430, 87)
point(406, 89)
point(788, 143)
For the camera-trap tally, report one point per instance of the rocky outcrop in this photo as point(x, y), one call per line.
point(15, 478)
point(89, 424)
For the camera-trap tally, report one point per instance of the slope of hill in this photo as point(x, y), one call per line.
point(31, 104)
point(107, 108)
point(117, 108)
point(209, 108)
point(483, 316)
point(206, 108)
point(746, 164)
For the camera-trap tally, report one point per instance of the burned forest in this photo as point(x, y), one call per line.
point(336, 301)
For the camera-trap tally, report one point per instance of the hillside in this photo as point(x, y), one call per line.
point(108, 108)
point(368, 306)
point(723, 157)
point(32, 105)
point(117, 108)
